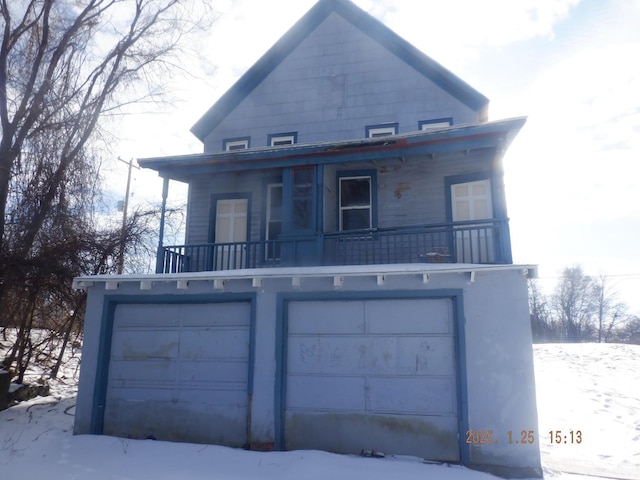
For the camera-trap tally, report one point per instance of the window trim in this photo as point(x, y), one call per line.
point(373, 206)
point(381, 130)
point(451, 180)
point(228, 143)
point(213, 209)
point(433, 121)
point(281, 137)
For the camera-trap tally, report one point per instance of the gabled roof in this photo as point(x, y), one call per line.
point(497, 134)
point(303, 28)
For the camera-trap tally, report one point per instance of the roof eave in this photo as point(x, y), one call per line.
point(457, 138)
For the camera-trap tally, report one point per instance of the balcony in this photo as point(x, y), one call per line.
point(478, 242)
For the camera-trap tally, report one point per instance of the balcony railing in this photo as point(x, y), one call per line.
point(485, 241)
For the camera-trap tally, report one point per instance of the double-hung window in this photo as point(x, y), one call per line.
point(356, 201)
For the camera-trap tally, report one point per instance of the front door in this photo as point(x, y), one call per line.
point(231, 232)
point(472, 201)
point(301, 240)
point(273, 222)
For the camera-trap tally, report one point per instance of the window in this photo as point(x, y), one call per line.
point(435, 124)
point(229, 230)
point(230, 144)
point(283, 139)
point(373, 131)
point(356, 201)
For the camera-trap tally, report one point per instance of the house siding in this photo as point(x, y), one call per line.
point(334, 84)
point(410, 192)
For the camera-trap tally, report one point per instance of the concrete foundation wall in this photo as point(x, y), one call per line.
point(494, 358)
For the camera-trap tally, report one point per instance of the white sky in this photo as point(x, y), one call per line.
point(571, 66)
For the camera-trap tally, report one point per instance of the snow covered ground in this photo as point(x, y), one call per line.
point(587, 387)
point(594, 388)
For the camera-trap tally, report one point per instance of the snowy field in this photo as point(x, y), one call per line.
point(587, 387)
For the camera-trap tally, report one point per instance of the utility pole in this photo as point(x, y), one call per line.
point(123, 233)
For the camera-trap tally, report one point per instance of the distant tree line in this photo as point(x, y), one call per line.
point(581, 308)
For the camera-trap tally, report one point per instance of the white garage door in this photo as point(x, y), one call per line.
point(179, 372)
point(372, 375)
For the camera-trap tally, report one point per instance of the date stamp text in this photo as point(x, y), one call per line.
point(523, 437)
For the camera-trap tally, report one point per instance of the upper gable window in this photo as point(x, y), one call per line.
point(230, 144)
point(279, 139)
point(384, 130)
point(435, 124)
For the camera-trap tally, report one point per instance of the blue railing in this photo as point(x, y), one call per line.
point(485, 241)
point(222, 256)
point(233, 256)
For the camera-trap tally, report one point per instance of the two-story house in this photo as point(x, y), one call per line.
point(346, 282)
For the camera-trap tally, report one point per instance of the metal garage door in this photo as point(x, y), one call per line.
point(179, 372)
point(373, 375)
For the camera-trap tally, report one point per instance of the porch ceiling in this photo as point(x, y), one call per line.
point(457, 138)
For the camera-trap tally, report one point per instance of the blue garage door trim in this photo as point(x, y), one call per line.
point(282, 334)
point(106, 336)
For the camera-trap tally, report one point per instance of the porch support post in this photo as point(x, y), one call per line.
point(163, 209)
point(320, 212)
point(506, 242)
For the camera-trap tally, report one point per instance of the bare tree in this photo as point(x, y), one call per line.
point(63, 65)
point(542, 325)
point(573, 304)
point(609, 311)
point(581, 308)
point(53, 77)
point(45, 299)
point(629, 332)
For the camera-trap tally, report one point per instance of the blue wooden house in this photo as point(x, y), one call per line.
point(346, 282)
point(343, 145)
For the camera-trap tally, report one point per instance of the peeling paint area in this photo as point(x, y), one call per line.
point(179, 422)
point(400, 189)
point(161, 351)
point(434, 438)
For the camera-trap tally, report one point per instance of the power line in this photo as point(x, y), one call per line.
point(618, 275)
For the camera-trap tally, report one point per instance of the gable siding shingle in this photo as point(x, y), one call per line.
point(343, 47)
point(337, 81)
